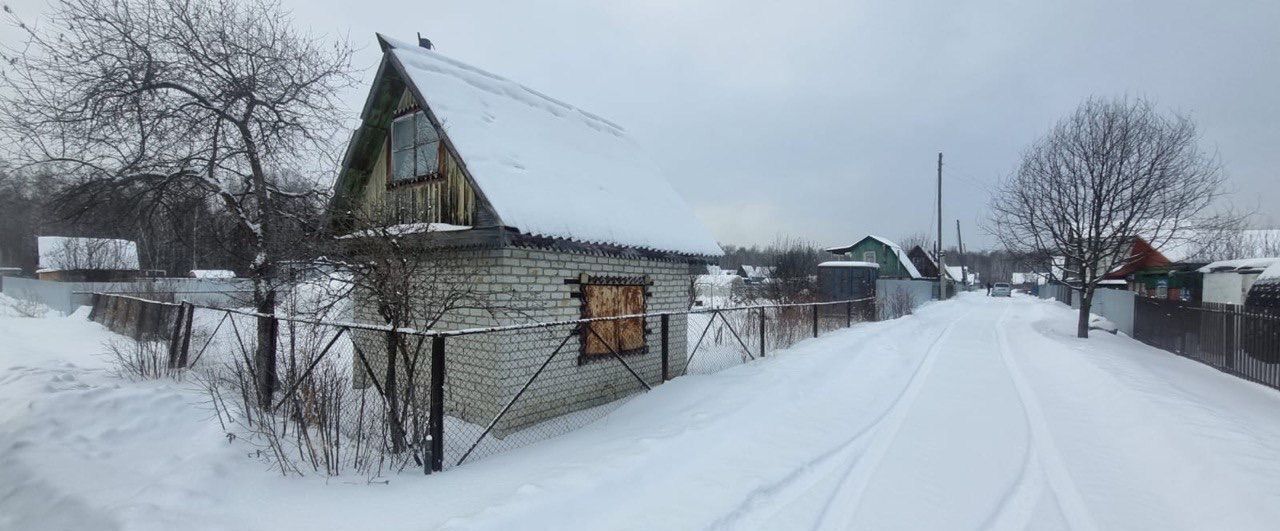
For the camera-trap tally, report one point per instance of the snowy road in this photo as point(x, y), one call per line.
point(974, 414)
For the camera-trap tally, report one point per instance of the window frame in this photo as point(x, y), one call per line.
point(872, 253)
point(586, 283)
point(413, 114)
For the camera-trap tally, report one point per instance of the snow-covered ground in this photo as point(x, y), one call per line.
point(974, 413)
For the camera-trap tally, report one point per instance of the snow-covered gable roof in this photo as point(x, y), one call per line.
point(753, 271)
point(897, 251)
point(547, 168)
point(61, 253)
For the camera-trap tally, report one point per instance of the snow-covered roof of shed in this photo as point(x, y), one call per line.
point(547, 168)
point(61, 253)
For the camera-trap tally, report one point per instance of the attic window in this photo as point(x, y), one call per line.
point(869, 256)
point(611, 297)
point(415, 148)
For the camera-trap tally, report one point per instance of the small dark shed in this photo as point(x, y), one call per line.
point(847, 280)
point(1261, 335)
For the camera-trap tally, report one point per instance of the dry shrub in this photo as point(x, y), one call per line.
point(896, 304)
point(139, 358)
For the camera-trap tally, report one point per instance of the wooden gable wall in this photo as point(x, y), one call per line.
point(448, 198)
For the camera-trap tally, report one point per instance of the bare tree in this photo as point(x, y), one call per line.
point(922, 239)
point(150, 98)
point(1112, 171)
point(89, 253)
point(408, 283)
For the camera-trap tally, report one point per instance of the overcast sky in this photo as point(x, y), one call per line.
point(823, 120)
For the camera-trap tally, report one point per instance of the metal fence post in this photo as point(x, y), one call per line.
point(666, 353)
point(1231, 337)
point(815, 320)
point(185, 349)
point(140, 318)
point(848, 314)
point(436, 423)
point(762, 321)
point(95, 313)
point(175, 341)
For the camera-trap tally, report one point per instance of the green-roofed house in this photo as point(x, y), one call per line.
point(893, 261)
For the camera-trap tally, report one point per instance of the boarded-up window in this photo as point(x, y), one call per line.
point(609, 297)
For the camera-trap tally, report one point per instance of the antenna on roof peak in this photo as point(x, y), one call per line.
point(425, 42)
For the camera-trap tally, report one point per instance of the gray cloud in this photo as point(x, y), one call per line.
point(823, 119)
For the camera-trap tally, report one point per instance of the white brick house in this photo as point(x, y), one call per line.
point(548, 208)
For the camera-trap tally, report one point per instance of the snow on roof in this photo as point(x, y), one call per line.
point(849, 263)
point(1271, 272)
point(1240, 265)
point(404, 229)
point(62, 253)
point(758, 271)
point(957, 273)
point(547, 168)
point(212, 273)
point(901, 255)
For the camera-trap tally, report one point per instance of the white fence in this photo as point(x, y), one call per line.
point(1115, 305)
point(896, 297)
point(66, 297)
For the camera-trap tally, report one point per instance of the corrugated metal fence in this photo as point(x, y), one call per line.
point(66, 297)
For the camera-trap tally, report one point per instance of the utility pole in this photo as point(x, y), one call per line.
point(964, 273)
point(942, 265)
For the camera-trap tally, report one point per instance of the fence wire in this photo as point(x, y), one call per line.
point(333, 398)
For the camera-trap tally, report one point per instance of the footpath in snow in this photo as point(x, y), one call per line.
point(976, 413)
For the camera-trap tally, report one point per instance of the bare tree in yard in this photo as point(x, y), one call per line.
point(150, 98)
point(409, 285)
point(922, 239)
point(1112, 171)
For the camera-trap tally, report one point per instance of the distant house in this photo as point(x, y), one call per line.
point(962, 274)
point(1229, 281)
point(923, 261)
point(499, 183)
point(1026, 280)
point(1171, 273)
point(893, 261)
point(75, 259)
point(755, 274)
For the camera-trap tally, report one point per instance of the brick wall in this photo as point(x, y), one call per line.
point(528, 285)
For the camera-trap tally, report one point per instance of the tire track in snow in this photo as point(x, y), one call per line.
point(1044, 451)
point(837, 461)
point(841, 505)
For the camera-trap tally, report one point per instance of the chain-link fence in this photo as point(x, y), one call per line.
point(336, 397)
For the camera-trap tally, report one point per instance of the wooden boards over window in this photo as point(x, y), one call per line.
point(611, 297)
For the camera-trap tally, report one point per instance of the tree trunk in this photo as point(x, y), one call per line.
point(264, 356)
point(1082, 324)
